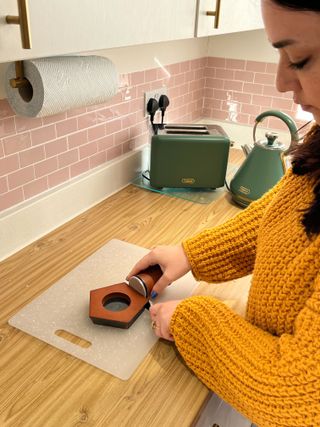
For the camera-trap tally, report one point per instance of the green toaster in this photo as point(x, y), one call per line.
point(192, 156)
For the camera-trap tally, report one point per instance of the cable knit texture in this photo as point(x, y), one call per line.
point(267, 365)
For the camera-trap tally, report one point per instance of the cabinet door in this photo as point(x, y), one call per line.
point(234, 16)
point(67, 26)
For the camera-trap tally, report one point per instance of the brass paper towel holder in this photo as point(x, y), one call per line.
point(121, 304)
point(19, 81)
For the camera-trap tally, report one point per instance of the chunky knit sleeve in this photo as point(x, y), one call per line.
point(228, 251)
point(273, 381)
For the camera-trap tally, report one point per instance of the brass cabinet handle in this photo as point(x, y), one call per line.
point(23, 20)
point(215, 13)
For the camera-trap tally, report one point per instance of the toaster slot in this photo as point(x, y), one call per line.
point(186, 127)
point(187, 132)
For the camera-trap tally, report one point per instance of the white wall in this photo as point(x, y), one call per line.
point(250, 45)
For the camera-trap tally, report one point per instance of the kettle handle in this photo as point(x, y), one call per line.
point(285, 118)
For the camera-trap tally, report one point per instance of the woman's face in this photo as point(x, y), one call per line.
point(296, 35)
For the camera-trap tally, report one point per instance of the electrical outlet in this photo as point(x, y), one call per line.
point(155, 93)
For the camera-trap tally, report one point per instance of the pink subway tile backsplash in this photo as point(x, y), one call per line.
point(66, 126)
point(37, 154)
point(21, 177)
point(7, 126)
point(54, 119)
point(15, 143)
point(97, 159)
point(220, 94)
point(5, 109)
point(56, 147)
point(34, 155)
point(216, 62)
point(46, 167)
point(244, 76)
point(271, 68)
point(265, 78)
point(58, 177)
point(105, 143)
point(79, 167)
point(215, 83)
point(9, 164)
point(253, 88)
point(150, 75)
point(104, 115)
point(88, 150)
point(121, 137)
point(43, 134)
point(87, 120)
point(137, 78)
point(66, 159)
point(35, 187)
point(253, 110)
point(241, 104)
point(235, 64)
point(184, 66)
point(3, 185)
point(262, 101)
point(233, 85)
point(240, 97)
point(11, 198)
point(114, 152)
point(96, 132)
point(256, 66)
point(223, 73)
point(281, 104)
point(78, 138)
point(27, 123)
point(76, 112)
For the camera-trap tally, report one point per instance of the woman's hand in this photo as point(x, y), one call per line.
point(172, 260)
point(161, 317)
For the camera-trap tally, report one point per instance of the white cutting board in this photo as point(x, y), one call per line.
point(65, 306)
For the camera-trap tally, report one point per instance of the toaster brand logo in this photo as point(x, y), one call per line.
point(188, 180)
point(244, 190)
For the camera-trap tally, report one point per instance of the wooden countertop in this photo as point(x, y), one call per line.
point(43, 386)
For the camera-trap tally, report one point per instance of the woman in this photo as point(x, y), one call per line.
point(267, 365)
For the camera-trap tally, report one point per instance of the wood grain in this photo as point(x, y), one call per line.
point(43, 386)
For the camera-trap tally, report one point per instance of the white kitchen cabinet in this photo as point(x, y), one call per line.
point(70, 26)
point(234, 16)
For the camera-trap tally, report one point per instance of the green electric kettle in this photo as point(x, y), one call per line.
point(264, 164)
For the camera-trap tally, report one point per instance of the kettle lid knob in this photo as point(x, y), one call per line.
point(271, 137)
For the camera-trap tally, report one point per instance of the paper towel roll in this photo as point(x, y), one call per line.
point(58, 84)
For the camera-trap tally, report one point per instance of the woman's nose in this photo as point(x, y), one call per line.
point(286, 80)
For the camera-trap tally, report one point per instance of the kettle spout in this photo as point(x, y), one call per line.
point(246, 149)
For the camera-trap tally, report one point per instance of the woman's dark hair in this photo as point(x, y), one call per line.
point(306, 160)
point(312, 5)
point(306, 157)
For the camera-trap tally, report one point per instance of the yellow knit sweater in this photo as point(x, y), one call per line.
point(267, 366)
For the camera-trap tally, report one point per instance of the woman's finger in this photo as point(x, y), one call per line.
point(161, 284)
point(143, 264)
